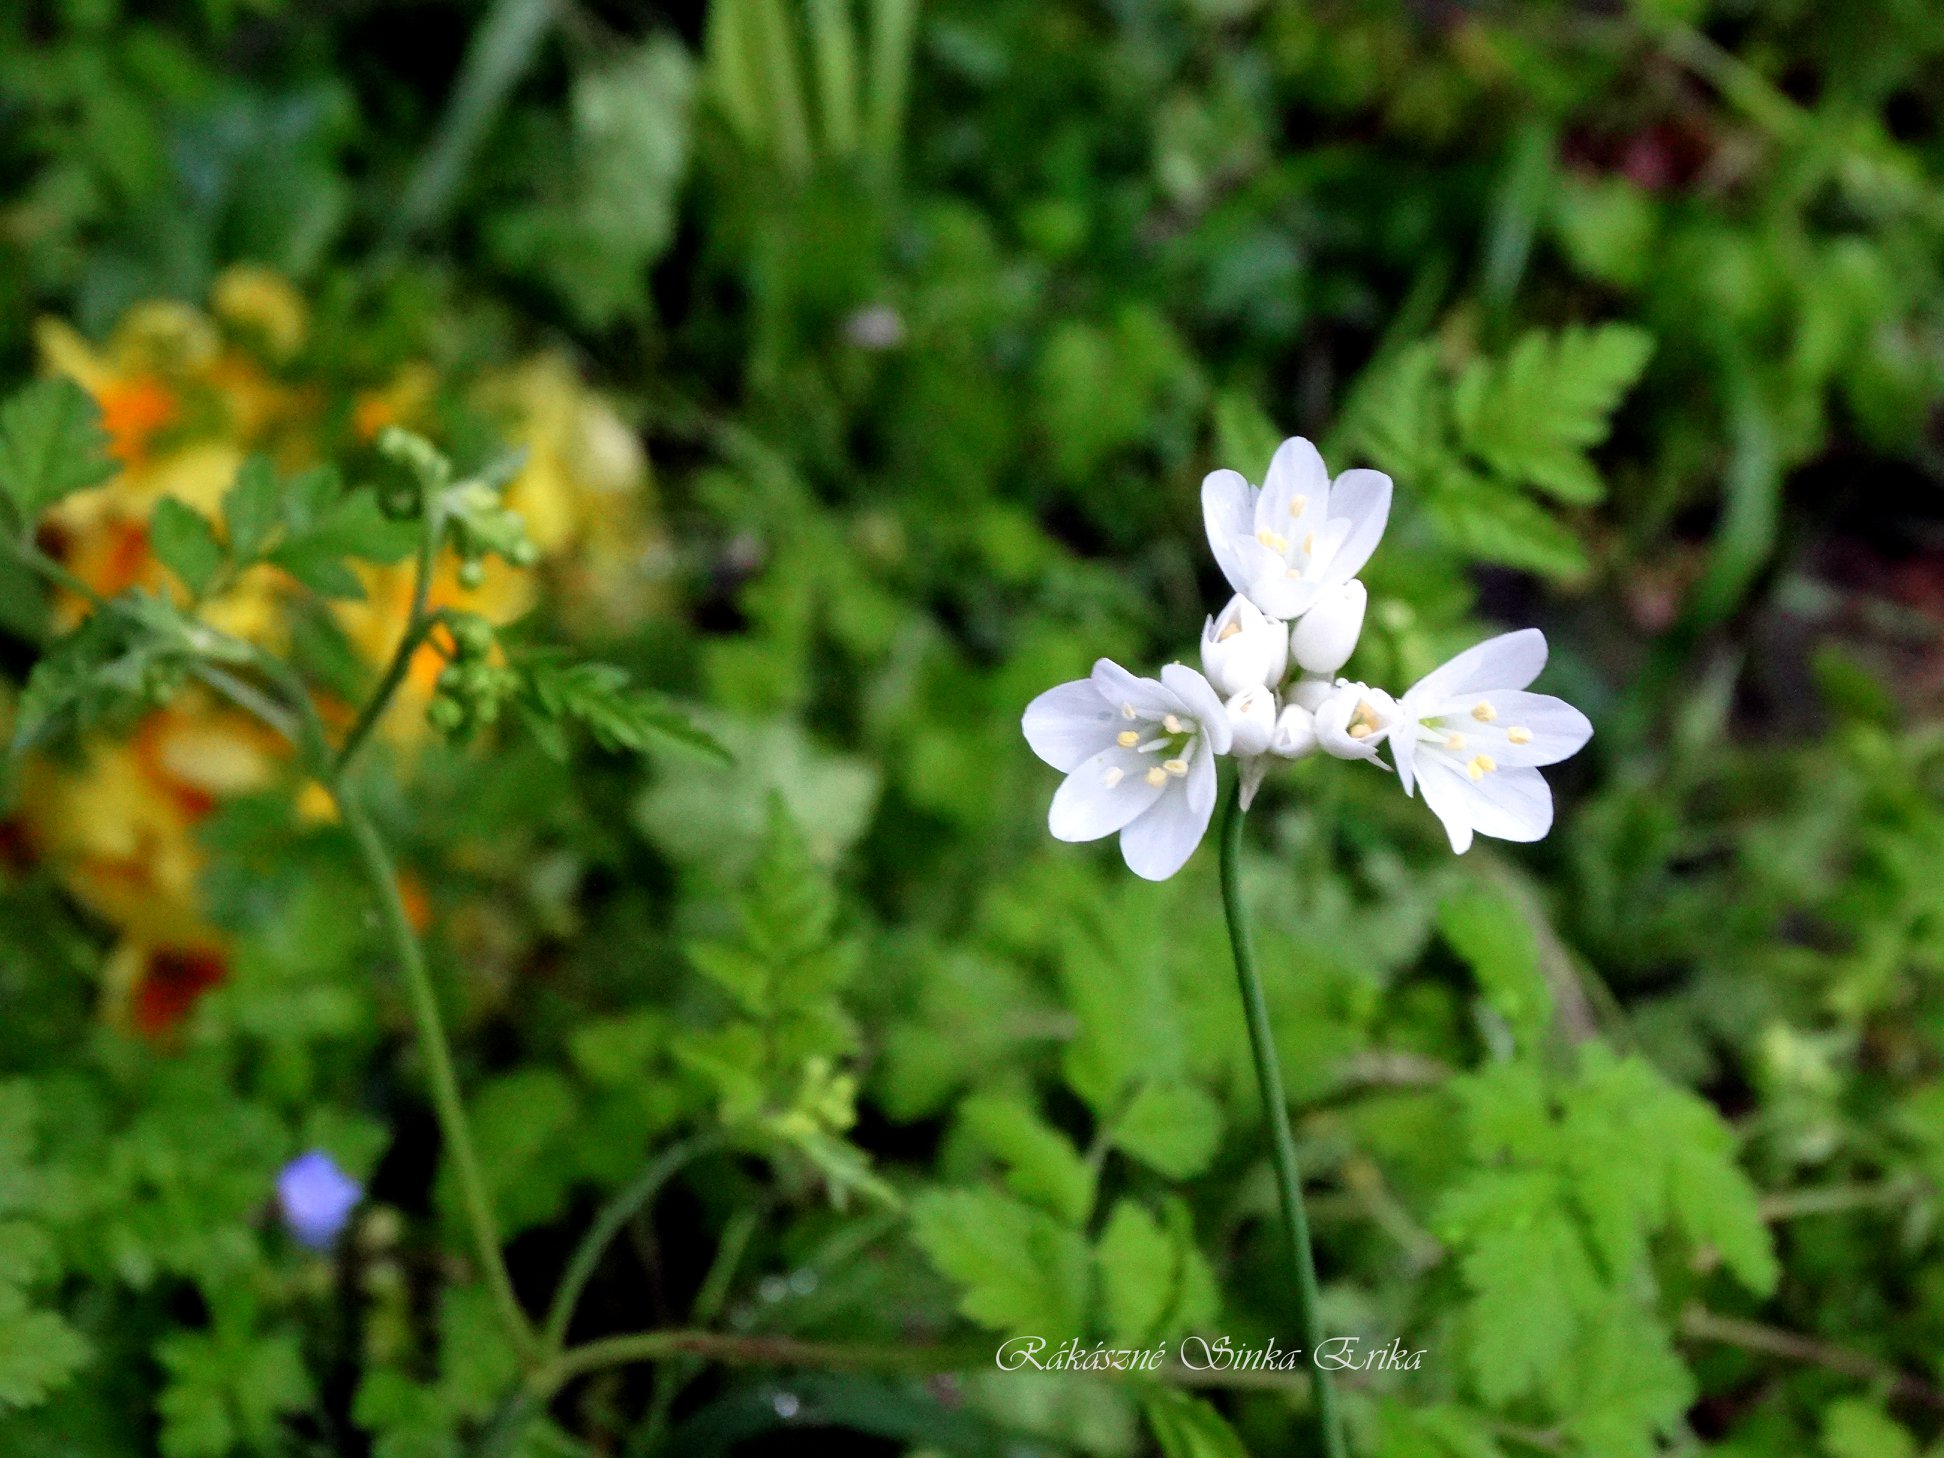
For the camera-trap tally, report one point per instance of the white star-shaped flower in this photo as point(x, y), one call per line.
point(1139, 758)
point(1301, 533)
point(1473, 738)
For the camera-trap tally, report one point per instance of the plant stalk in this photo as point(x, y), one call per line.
point(1289, 1181)
point(454, 1128)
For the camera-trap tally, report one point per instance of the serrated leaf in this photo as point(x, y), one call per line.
point(252, 508)
point(1043, 1165)
point(39, 1352)
point(1019, 1270)
point(1185, 1426)
point(51, 444)
point(1495, 524)
point(119, 659)
point(1532, 415)
point(617, 714)
point(1153, 1279)
point(1173, 1128)
point(185, 543)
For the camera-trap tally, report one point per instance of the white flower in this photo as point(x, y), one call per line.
point(1281, 546)
point(1473, 738)
point(1295, 734)
point(1323, 639)
point(1354, 720)
point(1139, 757)
point(1241, 649)
point(1252, 721)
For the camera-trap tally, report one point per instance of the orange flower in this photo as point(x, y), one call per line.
point(133, 412)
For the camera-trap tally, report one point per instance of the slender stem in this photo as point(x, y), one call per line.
point(417, 624)
point(453, 1126)
point(1700, 1324)
point(614, 1215)
point(1289, 1181)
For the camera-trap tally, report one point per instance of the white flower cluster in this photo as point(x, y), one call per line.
point(1139, 754)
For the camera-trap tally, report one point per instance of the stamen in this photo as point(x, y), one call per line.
point(1274, 541)
point(1298, 505)
point(1294, 572)
point(1175, 767)
point(1170, 723)
point(1127, 711)
point(1359, 730)
point(1157, 777)
point(1484, 712)
point(1128, 738)
point(1113, 776)
point(1519, 734)
point(1455, 741)
point(1481, 765)
point(1228, 631)
point(1309, 545)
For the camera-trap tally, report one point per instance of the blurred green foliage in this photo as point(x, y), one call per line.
point(933, 317)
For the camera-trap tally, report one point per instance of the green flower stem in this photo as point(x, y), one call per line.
point(614, 1215)
point(453, 1126)
point(418, 623)
point(1289, 1180)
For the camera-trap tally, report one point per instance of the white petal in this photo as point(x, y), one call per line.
point(1403, 747)
point(1198, 700)
point(1323, 639)
point(1087, 806)
point(1228, 516)
point(1272, 589)
point(1448, 793)
point(1364, 499)
point(1509, 804)
point(1509, 661)
point(1547, 729)
point(1120, 688)
point(1202, 781)
point(1159, 843)
point(1070, 723)
point(1295, 470)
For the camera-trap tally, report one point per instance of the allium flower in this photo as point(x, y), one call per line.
point(1282, 545)
point(1242, 649)
point(1354, 719)
point(1139, 758)
point(1472, 736)
point(316, 1198)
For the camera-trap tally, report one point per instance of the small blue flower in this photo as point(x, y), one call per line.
point(316, 1198)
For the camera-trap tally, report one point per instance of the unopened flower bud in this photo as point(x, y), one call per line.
point(1295, 733)
point(1252, 719)
point(1242, 649)
point(1310, 692)
point(1323, 638)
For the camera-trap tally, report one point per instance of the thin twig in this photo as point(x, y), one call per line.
point(1700, 1324)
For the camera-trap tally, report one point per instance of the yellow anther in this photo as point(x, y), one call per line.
point(1228, 631)
point(1455, 741)
point(1359, 731)
point(1309, 545)
point(1175, 767)
point(1113, 776)
point(1127, 711)
point(1298, 505)
point(1481, 765)
point(1157, 777)
point(1484, 712)
point(1519, 734)
point(1128, 738)
point(1274, 541)
point(1294, 572)
point(1170, 723)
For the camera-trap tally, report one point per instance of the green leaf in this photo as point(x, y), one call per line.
point(1533, 415)
point(252, 508)
point(229, 1387)
point(1488, 930)
point(186, 543)
point(51, 444)
point(1044, 1167)
point(1185, 1426)
point(39, 1352)
point(1173, 1128)
point(1020, 1270)
point(122, 658)
point(1496, 525)
point(1856, 1428)
point(1153, 1279)
point(603, 699)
